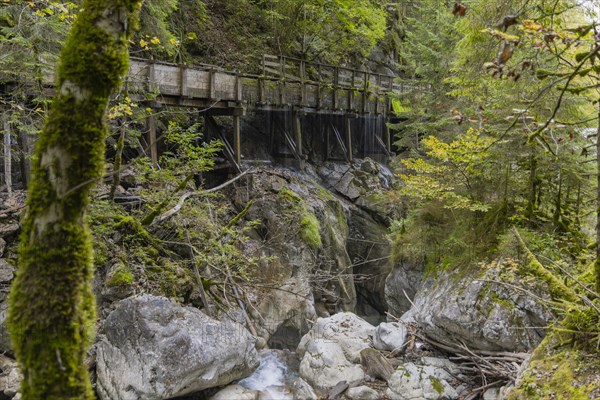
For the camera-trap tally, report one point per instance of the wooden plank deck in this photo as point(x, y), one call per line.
point(284, 83)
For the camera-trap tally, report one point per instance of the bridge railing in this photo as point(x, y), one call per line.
point(317, 86)
point(298, 70)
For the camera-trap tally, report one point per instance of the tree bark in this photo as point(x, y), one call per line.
point(52, 309)
point(597, 263)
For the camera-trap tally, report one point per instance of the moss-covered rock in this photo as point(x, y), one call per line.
point(558, 371)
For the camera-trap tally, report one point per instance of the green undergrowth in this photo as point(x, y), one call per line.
point(122, 276)
point(560, 371)
point(304, 216)
point(163, 259)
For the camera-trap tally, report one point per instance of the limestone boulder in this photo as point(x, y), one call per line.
point(401, 286)
point(390, 336)
point(430, 380)
point(487, 308)
point(330, 351)
point(152, 349)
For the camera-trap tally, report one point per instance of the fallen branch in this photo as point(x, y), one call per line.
point(187, 195)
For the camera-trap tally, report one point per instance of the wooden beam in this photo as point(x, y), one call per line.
point(151, 122)
point(211, 125)
point(348, 137)
point(297, 129)
point(237, 139)
point(387, 136)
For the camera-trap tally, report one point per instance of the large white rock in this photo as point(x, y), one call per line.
point(390, 336)
point(153, 349)
point(423, 382)
point(330, 351)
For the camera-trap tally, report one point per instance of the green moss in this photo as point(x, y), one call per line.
point(323, 193)
point(122, 276)
point(436, 384)
point(558, 290)
point(171, 280)
point(309, 230)
point(503, 302)
point(289, 196)
point(557, 374)
point(52, 310)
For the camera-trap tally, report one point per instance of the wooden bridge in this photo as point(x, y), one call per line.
point(289, 92)
point(307, 110)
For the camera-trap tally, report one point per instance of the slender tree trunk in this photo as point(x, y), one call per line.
point(7, 154)
point(597, 263)
point(52, 309)
point(23, 141)
point(530, 210)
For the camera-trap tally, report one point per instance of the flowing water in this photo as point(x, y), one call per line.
point(274, 377)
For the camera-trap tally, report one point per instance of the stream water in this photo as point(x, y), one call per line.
point(275, 375)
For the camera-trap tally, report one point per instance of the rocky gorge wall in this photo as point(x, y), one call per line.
point(323, 284)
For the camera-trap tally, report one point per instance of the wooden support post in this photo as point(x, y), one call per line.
point(387, 137)
point(336, 81)
point(7, 153)
point(237, 138)
point(297, 129)
point(348, 137)
point(261, 91)
point(351, 106)
point(302, 83)
point(365, 105)
point(151, 122)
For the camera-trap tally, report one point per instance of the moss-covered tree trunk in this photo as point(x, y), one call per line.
point(52, 309)
point(597, 263)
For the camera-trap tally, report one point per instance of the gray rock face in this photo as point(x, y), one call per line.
point(404, 280)
point(483, 314)
point(429, 381)
point(390, 336)
point(330, 351)
point(153, 349)
point(282, 200)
